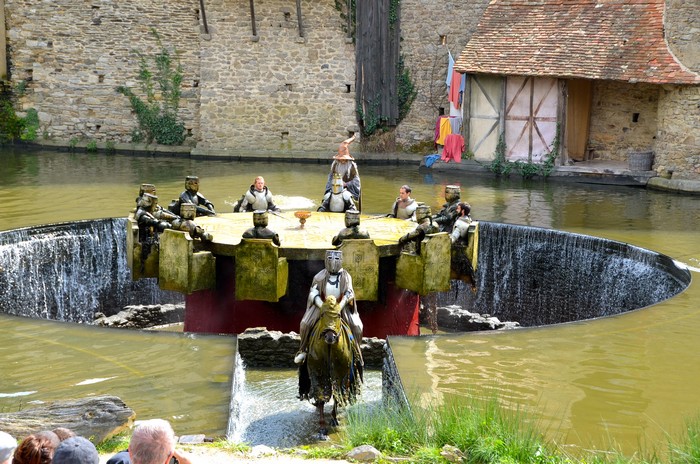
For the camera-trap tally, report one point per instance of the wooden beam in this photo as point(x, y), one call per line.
point(3, 46)
point(301, 25)
point(204, 16)
point(252, 17)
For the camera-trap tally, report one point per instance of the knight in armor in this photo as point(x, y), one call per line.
point(260, 230)
point(404, 206)
point(344, 166)
point(446, 217)
point(460, 263)
point(258, 197)
point(191, 195)
point(187, 223)
point(411, 241)
point(149, 225)
point(352, 228)
point(336, 282)
point(338, 200)
point(145, 188)
point(461, 225)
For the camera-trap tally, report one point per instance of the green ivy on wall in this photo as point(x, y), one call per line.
point(157, 115)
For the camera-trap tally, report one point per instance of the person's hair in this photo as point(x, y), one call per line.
point(34, 450)
point(465, 207)
point(152, 442)
point(406, 188)
point(63, 433)
point(259, 177)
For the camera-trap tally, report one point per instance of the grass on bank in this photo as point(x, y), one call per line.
point(483, 432)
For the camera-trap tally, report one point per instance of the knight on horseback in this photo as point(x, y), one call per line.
point(331, 281)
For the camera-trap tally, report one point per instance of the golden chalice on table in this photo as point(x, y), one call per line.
point(302, 216)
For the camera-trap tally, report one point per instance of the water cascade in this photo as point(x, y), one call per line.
point(70, 271)
point(540, 276)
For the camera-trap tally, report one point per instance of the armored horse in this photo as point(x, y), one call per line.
point(332, 370)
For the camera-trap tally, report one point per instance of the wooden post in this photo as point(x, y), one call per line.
point(252, 17)
point(204, 16)
point(3, 47)
point(301, 26)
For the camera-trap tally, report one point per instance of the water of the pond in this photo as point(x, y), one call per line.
point(628, 379)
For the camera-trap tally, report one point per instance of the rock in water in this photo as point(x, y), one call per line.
point(96, 418)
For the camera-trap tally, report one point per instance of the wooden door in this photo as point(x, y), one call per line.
point(485, 103)
point(578, 117)
point(530, 117)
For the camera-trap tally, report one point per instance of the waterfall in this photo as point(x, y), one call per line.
point(70, 271)
point(539, 276)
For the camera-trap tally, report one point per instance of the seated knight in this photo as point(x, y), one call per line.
point(336, 282)
point(352, 228)
point(446, 217)
point(460, 263)
point(187, 224)
point(338, 200)
point(412, 240)
point(191, 195)
point(258, 197)
point(149, 225)
point(461, 225)
point(260, 230)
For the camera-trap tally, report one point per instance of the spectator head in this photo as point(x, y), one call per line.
point(7, 447)
point(76, 450)
point(153, 442)
point(34, 449)
point(63, 433)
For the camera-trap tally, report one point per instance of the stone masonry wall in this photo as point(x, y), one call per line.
point(73, 53)
point(280, 92)
point(614, 131)
point(423, 27)
point(678, 141)
point(678, 144)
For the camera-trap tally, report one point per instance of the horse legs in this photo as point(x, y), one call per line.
point(322, 430)
point(334, 414)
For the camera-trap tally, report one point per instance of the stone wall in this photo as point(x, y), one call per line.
point(279, 91)
point(623, 119)
point(428, 31)
point(72, 54)
point(678, 142)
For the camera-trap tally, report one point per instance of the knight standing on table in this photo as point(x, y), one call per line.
point(404, 206)
point(331, 281)
point(352, 228)
point(260, 230)
point(257, 198)
point(191, 195)
point(338, 200)
point(344, 166)
point(446, 217)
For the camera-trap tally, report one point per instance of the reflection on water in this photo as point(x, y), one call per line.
point(157, 374)
point(628, 378)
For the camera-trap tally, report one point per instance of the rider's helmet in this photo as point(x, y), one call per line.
point(334, 261)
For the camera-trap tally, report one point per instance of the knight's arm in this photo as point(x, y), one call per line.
point(315, 296)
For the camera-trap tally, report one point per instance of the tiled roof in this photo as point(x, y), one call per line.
point(620, 40)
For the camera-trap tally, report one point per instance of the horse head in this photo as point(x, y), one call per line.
point(330, 321)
